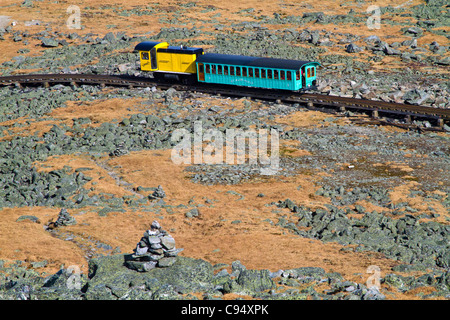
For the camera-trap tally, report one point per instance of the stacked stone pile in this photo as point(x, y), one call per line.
point(64, 219)
point(155, 249)
point(157, 194)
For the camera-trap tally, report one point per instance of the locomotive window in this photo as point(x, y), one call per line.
point(297, 75)
point(263, 73)
point(207, 68)
point(219, 69)
point(257, 73)
point(275, 74)
point(250, 72)
point(225, 70)
point(269, 74)
point(238, 71)
point(289, 75)
point(313, 72)
point(144, 55)
point(231, 71)
point(244, 72)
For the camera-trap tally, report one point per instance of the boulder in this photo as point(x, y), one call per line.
point(28, 217)
point(168, 242)
point(111, 272)
point(304, 272)
point(47, 42)
point(250, 282)
point(110, 37)
point(373, 294)
point(353, 48)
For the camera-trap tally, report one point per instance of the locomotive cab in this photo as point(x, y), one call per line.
point(148, 54)
point(170, 62)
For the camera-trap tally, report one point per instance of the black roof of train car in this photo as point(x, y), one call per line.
point(148, 45)
point(246, 61)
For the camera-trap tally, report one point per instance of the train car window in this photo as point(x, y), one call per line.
point(231, 71)
point(244, 72)
point(313, 72)
point(207, 68)
point(250, 72)
point(144, 55)
point(219, 69)
point(275, 74)
point(263, 73)
point(289, 75)
point(308, 73)
point(257, 73)
point(225, 70)
point(282, 77)
point(297, 75)
point(269, 74)
point(213, 69)
point(238, 71)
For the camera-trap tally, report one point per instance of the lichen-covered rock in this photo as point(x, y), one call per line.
point(110, 271)
point(304, 272)
point(168, 242)
point(250, 282)
point(46, 42)
point(28, 217)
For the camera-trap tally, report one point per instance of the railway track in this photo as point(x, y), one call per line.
point(401, 115)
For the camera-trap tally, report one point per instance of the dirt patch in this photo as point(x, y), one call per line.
point(235, 227)
point(111, 110)
point(309, 118)
point(28, 241)
point(214, 237)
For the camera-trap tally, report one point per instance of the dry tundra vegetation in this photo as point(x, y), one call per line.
point(347, 196)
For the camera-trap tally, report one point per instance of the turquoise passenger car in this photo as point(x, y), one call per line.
point(256, 72)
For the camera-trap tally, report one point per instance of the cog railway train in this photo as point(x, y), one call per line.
point(187, 65)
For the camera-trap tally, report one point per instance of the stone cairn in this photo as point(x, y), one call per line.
point(64, 219)
point(157, 194)
point(155, 249)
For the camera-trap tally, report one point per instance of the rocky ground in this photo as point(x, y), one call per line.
point(348, 197)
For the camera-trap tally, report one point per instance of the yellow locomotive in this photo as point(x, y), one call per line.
point(176, 62)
